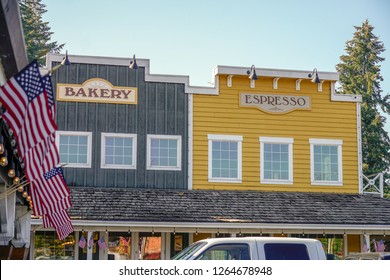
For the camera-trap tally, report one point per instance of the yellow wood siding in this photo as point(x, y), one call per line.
point(326, 119)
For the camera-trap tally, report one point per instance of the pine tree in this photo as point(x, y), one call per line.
point(37, 33)
point(360, 74)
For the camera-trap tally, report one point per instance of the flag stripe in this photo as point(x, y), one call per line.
point(15, 104)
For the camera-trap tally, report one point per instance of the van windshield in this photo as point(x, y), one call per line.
point(188, 252)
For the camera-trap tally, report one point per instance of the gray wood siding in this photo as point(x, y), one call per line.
point(162, 109)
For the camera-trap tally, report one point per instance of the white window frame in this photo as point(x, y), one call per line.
point(104, 165)
point(149, 165)
point(226, 138)
point(277, 140)
point(89, 146)
point(327, 142)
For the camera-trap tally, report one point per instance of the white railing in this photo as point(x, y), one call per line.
point(373, 184)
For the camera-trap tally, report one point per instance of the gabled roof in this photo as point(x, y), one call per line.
point(208, 206)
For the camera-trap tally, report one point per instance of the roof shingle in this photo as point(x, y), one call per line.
point(208, 206)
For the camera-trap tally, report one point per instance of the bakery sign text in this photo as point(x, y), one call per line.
point(97, 90)
point(275, 103)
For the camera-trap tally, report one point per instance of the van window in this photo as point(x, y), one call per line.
point(187, 252)
point(285, 251)
point(226, 252)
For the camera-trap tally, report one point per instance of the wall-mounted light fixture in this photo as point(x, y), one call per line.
point(133, 63)
point(65, 61)
point(314, 76)
point(252, 73)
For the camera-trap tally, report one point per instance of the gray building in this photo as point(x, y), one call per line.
point(139, 144)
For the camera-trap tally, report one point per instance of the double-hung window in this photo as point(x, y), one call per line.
point(75, 148)
point(118, 151)
point(326, 162)
point(276, 160)
point(225, 153)
point(164, 152)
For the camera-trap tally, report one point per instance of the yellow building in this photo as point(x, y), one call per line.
point(281, 132)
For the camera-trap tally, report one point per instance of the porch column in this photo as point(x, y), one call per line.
point(89, 248)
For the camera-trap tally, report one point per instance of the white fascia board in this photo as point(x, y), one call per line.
point(346, 97)
point(222, 225)
point(125, 61)
point(275, 73)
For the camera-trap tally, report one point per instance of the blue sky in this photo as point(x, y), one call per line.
point(192, 37)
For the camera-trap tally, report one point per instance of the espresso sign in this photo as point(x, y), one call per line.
point(272, 103)
point(97, 90)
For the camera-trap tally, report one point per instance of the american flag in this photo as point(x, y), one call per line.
point(102, 243)
point(27, 110)
point(381, 247)
point(61, 222)
point(82, 242)
point(29, 102)
point(14, 95)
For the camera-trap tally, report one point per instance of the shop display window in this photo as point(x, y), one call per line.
point(49, 247)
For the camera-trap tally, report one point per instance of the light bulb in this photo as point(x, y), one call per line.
point(11, 173)
point(16, 180)
point(4, 161)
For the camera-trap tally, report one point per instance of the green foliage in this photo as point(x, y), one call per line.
point(360, 74)
point(37, 33)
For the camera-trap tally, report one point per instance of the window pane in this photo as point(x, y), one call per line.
point(63, 149)
point(120, 150)
point(326, 166)
point(110, 151)
point(118, 142)
point(276, 161)
point(74, 140)
point(164, 143)
point(164, 152)
point(224, 159)
point(172, 162)
point(73, 159)
point(109, 141)
point(127, 160)
point(109, 160)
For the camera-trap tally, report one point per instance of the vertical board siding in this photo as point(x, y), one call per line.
point(326, 120)
point(161, 109)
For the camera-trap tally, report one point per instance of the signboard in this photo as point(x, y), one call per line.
point(97, 90)
point(275, 103)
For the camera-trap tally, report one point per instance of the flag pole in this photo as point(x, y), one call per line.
point(65, 61)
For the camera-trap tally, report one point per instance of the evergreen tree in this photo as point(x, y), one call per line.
point(360, 74)
point(37, 33)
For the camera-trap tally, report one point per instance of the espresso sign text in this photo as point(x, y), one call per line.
point(275, 103)
point(97, 90)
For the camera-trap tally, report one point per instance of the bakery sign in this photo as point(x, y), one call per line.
point(97, 90)
point(275, 103)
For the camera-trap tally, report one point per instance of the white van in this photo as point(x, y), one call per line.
point(254, 248)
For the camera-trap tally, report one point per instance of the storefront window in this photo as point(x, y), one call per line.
point(49, 247)
point(119, 246)
point(149, 246)
point(379, 243)
point(179, 241)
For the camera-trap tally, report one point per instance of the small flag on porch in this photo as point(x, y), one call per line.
point(381, 246)
point(102, 243)
point(82, 242)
